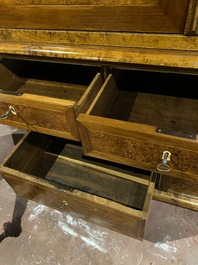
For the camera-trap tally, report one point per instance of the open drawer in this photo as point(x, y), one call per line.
point(45, 97)
point(53, 171)
point(147, 120)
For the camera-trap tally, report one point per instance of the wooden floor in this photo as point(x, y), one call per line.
point(31, 233)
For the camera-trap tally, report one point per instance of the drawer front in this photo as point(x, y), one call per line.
point(123, 126)
point(40, 169)
point(40, 97)
point(90, 208)
point(129, 16)
point(40, 119)
point(137, 146)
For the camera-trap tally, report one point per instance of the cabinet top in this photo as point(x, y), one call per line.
point(142, 50)
point(143, 33)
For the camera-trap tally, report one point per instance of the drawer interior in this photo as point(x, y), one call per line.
point(185, 187)
point(56, 80)
point(62, 162)
point(180, 192)
point(165, 100)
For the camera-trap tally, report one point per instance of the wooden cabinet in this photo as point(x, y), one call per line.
point(120, 79)
point(165, 16)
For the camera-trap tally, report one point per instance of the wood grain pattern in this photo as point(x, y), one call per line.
point(89, 95)
point(159, 42)
point(176, 199)
point(89, 208)
point(49, 121)
point(137, 145)
point(178, 186)
point(98, 181)
point(79, 2)
point(163, 111)
point(104, 98)
point(127, 134)
point(180, 192)
point(45, 106)
point(99, 210)
point(182, 61)
point(140, 16)
point(191, 27)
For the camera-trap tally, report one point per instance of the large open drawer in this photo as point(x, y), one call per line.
point(45, 97)
point(144, 119)
point(53, 171)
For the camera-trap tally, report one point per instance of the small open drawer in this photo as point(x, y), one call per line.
point(145, 119)
point(53, 171)
point(45, 97)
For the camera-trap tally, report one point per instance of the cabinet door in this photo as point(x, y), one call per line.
point(166, 16)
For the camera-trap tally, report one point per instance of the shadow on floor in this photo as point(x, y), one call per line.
point(13, 228)
point(169, 223)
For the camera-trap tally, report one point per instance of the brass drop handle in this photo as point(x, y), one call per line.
point(164, 166)
point(7, 114)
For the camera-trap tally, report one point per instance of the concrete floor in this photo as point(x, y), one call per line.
point(31, 233)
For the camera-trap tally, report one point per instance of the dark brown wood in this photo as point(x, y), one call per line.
point(128, 16)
